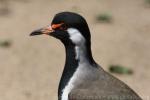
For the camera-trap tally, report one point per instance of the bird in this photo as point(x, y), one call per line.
point(82, 77)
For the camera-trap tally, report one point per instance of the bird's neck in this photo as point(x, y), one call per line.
point(74, 56)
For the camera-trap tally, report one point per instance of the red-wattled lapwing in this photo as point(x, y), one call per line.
point(83, 78)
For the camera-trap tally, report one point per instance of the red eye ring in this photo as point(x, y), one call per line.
point(60, 26)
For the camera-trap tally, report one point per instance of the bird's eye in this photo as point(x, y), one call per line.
point(60, 26)
point(63, 27)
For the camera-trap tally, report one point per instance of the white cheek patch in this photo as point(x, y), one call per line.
point(76, 36)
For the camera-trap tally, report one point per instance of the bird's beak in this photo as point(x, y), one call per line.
point(46, 30)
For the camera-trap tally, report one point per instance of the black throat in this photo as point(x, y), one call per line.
point(71, 64)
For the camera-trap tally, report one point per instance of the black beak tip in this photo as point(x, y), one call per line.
point(31, 34)
point(37, 32)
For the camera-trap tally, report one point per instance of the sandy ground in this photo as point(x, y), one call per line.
point(31, 68)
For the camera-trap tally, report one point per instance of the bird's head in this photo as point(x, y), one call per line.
point(67, 27)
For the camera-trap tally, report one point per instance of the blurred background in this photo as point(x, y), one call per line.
point(30, 67)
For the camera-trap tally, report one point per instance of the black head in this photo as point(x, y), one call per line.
point(62, 23)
